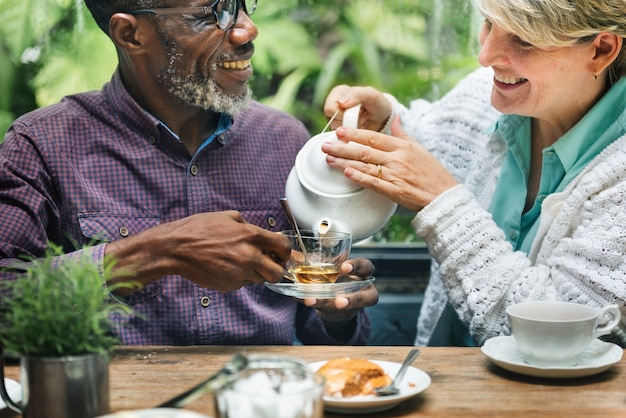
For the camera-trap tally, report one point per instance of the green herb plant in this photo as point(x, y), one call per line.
point(58, 308)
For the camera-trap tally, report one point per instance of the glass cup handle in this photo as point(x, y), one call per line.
point(614, 311)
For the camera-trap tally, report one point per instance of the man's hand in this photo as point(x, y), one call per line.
point(216, 250)
point(346, 307)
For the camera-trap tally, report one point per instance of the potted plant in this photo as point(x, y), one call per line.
point(55, 317)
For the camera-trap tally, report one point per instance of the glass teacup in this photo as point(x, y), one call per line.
point(317, 257)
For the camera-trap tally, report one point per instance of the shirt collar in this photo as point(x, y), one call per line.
point(143, 120)
point(590, 131)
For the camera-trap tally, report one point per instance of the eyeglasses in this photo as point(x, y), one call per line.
point(223, 13)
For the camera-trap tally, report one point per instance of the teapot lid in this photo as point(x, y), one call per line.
point(313, 171)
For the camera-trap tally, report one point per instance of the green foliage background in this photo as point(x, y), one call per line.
point(409, 48)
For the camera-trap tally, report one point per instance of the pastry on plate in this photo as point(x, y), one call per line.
point(346, 377)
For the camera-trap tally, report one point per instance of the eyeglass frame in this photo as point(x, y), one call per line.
point(204, 10)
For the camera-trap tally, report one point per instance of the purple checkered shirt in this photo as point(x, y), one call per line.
point(97, 166)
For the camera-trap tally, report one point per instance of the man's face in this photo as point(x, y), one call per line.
point(207, 67)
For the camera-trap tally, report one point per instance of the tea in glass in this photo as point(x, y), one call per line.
point(321, 258)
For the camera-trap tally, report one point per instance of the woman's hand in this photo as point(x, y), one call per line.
point(396, 166)
point(375, 108)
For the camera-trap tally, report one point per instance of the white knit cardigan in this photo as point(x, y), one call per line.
point(578, 255)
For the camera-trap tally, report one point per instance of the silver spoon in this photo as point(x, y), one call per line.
point(392, 389)
point(294, 226)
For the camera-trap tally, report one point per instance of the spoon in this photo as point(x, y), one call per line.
point(213, 383)
point(392, 389)
point(294, 226)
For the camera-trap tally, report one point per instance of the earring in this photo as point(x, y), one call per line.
point(595, 76)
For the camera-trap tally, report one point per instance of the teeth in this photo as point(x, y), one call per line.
point(508, 80)
point(235, 65)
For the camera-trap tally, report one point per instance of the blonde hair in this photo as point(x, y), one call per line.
point(561, 22)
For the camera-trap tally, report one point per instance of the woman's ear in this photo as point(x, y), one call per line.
point(607, 48)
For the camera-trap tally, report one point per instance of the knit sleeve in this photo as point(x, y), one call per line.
point(581, 256)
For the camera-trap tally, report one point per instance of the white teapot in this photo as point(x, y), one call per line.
point(323, 198)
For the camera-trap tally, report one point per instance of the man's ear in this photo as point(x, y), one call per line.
point(126, 31)
point(607, 48)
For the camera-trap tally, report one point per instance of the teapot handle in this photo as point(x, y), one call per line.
point(351, 116)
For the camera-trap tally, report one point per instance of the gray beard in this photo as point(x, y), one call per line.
point(194, 89)
point(204, 94)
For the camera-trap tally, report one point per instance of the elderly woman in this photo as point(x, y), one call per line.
point(524, 203)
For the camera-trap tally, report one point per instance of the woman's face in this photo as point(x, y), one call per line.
point(551, 83)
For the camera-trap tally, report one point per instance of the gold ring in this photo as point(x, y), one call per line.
point(380, 171)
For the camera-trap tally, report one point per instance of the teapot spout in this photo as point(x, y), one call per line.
point(324, 225)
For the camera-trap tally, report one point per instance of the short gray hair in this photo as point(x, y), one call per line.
point(561, 22)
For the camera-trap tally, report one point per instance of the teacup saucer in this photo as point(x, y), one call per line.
point(598, 357)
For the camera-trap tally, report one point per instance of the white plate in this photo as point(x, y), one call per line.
point(598, 357)
point(414, 382)
point(318, 291)
point(156, 413)
point(14, 390)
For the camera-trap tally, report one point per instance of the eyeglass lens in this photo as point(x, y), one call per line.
point(226, 11)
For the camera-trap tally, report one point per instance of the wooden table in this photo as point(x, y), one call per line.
point(464, 382)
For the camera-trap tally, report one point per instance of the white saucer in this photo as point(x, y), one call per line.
point(598, 357)
point(414, 382)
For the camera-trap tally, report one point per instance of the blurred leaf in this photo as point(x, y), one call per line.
point(6, 118)
point(329, 75)
point(285, 97)
point(274, 23)
point(65, 71)
point(401, 33)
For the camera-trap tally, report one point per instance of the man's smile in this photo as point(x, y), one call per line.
point(234, 65)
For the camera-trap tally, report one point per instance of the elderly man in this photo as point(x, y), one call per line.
point(176, 175)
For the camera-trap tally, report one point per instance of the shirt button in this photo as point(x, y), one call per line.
point(271, 222)
point(205, 301)
point(512, 234)
point(123, 231)
point(152, 140)
point(194, 170)
point(541, 197)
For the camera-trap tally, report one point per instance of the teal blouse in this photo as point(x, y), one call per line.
point(561, 163)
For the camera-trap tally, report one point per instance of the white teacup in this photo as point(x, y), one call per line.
point(555, 333)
